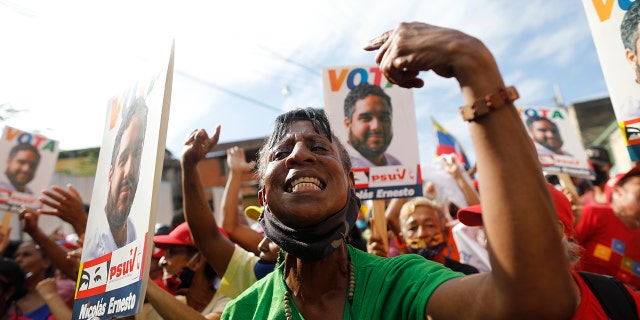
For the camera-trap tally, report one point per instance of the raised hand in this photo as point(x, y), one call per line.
point(74, 257)
point(452, 167)
point(29, 218)
point(236, 160)
point(199, 144)
point(47, 288)
point(414, 47)
point(375, 245)
point(67, 205)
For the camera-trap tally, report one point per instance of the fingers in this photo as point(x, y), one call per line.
point(215, 137)
point(376, 247)
point(55, 196)
point(377, 42)
point(74, 254)
point(29, 220)
point(29, 217)
point(22, 212)
point(81, 241)
point(235, 152)
point(73, 191)
point(403, 77)
point(59, 190)
point(53, 204)
point(46, 287)
point(199, 138)
point(192, 137)
point(52, 212)
point(60, 197)
point(396, 65)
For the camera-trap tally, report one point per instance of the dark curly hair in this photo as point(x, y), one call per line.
point(629, 27)
point(137, 109)
point(361, 91)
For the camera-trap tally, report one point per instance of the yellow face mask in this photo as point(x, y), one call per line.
point(418, 243)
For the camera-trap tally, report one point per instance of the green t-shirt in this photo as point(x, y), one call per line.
point(386, 288)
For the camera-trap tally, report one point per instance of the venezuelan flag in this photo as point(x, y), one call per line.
point(448, 144)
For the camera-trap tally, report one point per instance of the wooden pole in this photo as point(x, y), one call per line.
point(566, 182)
point(379, 223)
point(4, 228)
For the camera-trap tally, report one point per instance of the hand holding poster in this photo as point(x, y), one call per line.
point(115, 254)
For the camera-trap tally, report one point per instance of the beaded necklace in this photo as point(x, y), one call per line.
point(352, 286)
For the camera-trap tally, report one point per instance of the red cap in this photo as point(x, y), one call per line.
point(180, 236)
point(614, 181)
point(472, 216)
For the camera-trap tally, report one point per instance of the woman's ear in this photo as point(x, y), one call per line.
point(261, 197)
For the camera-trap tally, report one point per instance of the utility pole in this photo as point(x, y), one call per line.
point(558, 96)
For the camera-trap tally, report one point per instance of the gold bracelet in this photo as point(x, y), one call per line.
point(490, 102)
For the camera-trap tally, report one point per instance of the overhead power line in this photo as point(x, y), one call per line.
point(225, 90)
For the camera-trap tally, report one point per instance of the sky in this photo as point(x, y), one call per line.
point(241, 63)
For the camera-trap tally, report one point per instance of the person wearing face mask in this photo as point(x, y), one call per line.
point(190, 284)
point(307, 191)
point(602, 165)
point(425, 233)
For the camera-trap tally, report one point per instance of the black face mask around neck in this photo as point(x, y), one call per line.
point(316, 242)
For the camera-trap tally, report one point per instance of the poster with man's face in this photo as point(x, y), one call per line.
point(556, 141)
point(29, 160)
point(115, 254)
point(375, 121)
point(614, 27)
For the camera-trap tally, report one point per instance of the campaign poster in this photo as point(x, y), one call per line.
point(375, 120)
point(556, 141)
point(614, 28)
point(116, 251)
point(29, 162)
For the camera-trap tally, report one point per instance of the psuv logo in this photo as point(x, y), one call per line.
point(361, 177)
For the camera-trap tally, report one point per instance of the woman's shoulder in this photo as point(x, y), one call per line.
point(363, 259)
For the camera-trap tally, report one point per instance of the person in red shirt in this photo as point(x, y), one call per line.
point(588, 305)
point(610, 234)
